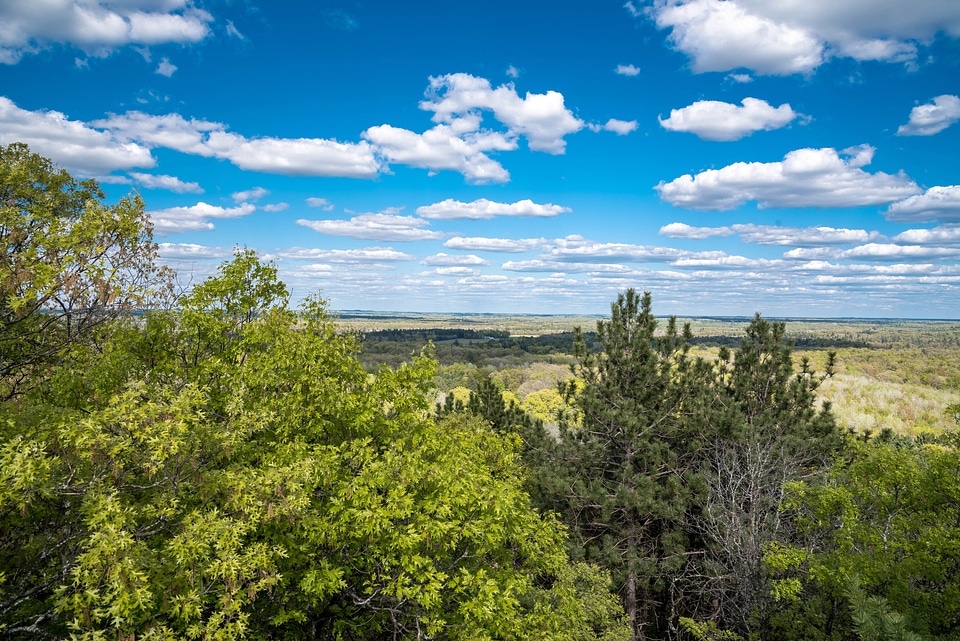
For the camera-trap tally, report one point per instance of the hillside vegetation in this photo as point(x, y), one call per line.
point(220, 464)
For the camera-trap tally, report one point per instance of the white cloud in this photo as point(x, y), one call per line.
point(494, 244)
point(70, 143)
point(937, 203)
point(97, 27)
point(947, 235)
point(682, 230)
point(556, 266)
point(454, 271)
point(541, 118)
point(627, 70)
point(874, 252)
point(275, 207)
point(620, 127)
point(806, 237)
point(720, 36)
point(450, 260)
point(722, 121)
point(484, 209)
point(805, 178)
point(286, 156)
point(254, 194)
point(576, 249)
point(382, 226)
point(794, 37)
point(367, 255)
point(741, 78)
point(195, 217)
point(929, 119)
point(460, 147)
point(320, 203)
point(721, 260)
point(233, 31)
point(166, 68)
point(513, 72)
point(170, 183)
point(189, 250)
point(296, 156)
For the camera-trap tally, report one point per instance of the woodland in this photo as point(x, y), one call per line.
point(218, 463)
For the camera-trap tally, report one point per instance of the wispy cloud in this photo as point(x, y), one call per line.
point(505, 245)
point(169, 183)
point(254, 195)
point(627, 70)
point(381, 227)
point(166, 68)
point(484, 209)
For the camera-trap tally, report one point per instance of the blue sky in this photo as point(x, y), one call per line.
point(730, 156)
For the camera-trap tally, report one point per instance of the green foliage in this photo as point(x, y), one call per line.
point(229, 470)
point(68, 264)
point(886, 519)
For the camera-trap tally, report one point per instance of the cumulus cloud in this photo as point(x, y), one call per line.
point(786, 37)
point(937, 203)
point(286, 156)
point(805, 178)
point(381, 226)
point(722, 121)
point(72, 144)
point(254, 194)
point(320, 203)
point(627, 70)
point(932, 118)
point(275, 207)
point(169, 183)
point(682, 230)
point(166, 68)
point(195, 217)
point(366, 255)
point(450, 260)
point(946, 235)
point(459, 146)
point(504, 245)
point(484, 209)
point(542, 119)
point(97, 27)
point(720, 35)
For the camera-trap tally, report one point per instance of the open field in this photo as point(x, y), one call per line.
point(891, 374)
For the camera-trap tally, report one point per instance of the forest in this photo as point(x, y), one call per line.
point(219, 463)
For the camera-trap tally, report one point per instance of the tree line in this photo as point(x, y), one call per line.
point(218, 464)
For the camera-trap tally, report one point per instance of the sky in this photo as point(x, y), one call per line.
point(794, 158)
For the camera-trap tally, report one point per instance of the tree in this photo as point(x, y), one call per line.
point(881, 541)
point(68, 263)
point(777, 434)
point(631, 467)
point(229, 470)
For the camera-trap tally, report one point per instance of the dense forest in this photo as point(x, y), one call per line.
point(220, 464)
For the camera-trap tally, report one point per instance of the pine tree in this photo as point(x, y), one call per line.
point(632, 464)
